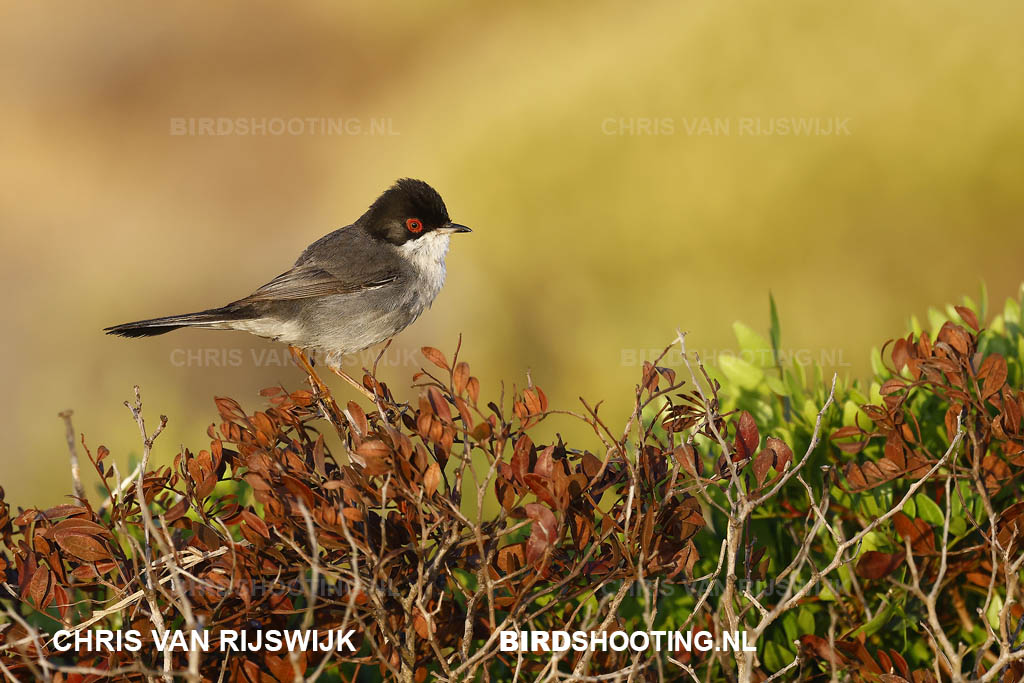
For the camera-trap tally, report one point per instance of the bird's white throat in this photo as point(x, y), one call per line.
point(427, 255)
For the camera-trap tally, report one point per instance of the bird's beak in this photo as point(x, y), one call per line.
point(448, 228)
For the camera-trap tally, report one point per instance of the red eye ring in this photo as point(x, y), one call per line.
point(415, 225)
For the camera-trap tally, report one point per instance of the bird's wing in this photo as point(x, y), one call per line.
point(307, 280)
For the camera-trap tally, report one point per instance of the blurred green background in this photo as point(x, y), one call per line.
point(621, 164)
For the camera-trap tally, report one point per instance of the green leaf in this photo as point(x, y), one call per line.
point(883, 614)
point(850, 410)
point(873, 541)
point(776, 657)
point(776, 385)
point(805, 620)
point(877, 366)
point(800, 372)
point(775, 329)
point(810, 411)
point(995, 606)
point(929, 511)
point(740, 372)
point(875, 394)
point(789, 626)
point(753, 347)
point(915, 326)
point(1011, 312)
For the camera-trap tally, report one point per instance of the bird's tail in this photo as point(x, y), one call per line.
point(217, 318)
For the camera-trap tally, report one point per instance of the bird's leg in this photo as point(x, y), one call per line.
point(303, 361)
point(327, 402)
point(380, 355)
point(334, 363)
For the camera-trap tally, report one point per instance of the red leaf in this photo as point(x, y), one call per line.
point(875, 565)
point(747, 437)
point(783, 453)
point(544, 523)
point(762, 463)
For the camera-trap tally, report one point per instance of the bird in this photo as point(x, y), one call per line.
point(352, 288)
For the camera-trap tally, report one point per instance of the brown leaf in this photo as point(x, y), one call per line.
point(917, 531)
point(505, 491)
point(358, 417)
point(256, 524)
point(177, 511)
point(373, 448)
point(891, 386)
point(818, 647)
point(460, 377)
point(64, 510)
point(968, 316)
point(521, 453)
point(684, 560)
point(868, 474)
point(83, 547)
point(511, 558)
point(994, 370)
point(481, 432)
point(40, 587)
point(439, 405)
point(688, 458)
point(994, 472)
point(542, 488)
point(319, 461)
point(532, 401)
point(78, 525)
point(473, 389)
point(955, 336)
point(650, 378)
point(435, 357)
point(432, 479)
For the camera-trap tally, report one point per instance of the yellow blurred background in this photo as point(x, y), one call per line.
point(624, 167)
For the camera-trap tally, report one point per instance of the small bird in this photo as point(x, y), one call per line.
point(357, 286)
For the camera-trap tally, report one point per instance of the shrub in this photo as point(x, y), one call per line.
point(868, 533)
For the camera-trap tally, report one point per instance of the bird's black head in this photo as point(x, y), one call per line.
point(408, 210)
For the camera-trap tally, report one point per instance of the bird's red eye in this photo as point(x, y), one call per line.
point(414, 224)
